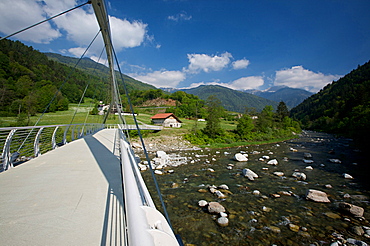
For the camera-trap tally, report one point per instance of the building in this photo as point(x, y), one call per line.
point(166, 120)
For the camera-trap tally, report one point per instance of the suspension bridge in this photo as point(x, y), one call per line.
point(79, 184)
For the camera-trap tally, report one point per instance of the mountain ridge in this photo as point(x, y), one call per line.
point(231, 100)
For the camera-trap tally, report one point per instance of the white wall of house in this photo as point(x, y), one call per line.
point(171, 122)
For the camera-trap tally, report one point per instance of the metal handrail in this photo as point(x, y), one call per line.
point(20, 144)
point(133, 127)
point(140, 212)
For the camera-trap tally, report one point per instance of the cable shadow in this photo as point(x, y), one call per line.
point(114, 223)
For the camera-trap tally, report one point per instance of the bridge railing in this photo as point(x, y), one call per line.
point(145, 224)
point(133, 127)
point(20, 144)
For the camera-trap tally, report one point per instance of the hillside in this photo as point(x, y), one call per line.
point(91, 67)
point(231, 100)
point(29, 80)
point(342, 107)
point(291, 96)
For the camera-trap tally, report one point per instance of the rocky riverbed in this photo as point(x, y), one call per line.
point(278, 206)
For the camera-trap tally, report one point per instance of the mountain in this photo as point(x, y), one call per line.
point(290, 96)
point(231, 100)
point(91, 67)
point(342, 107)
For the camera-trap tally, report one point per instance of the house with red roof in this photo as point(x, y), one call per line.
point(166, 120)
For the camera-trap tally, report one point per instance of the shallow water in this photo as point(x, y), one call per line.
point(249, 222)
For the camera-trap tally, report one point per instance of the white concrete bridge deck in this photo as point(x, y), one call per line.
point(69, 196)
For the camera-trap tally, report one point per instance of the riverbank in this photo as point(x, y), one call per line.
point(177, 142)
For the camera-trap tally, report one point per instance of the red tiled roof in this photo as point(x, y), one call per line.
point(164, 116)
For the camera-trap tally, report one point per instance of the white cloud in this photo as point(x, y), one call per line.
point(299, 77)
point(20, 14)
point(127, 34)
point(180, 16)
point(206, 63)
point(163, 78)
point(245, 83)
point(240, 64)
point(79, 25)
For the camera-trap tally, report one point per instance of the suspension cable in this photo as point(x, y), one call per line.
point(143, 144)
point(60, 88)
point(24, 29)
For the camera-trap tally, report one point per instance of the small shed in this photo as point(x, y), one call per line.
point(166, 120)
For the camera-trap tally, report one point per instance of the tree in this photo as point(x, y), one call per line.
point(215, 111)
point(265, 120)
point(245, 126)
point(282, 111)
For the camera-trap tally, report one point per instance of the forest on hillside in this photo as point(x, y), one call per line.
point(29, 80)
point(342, 107)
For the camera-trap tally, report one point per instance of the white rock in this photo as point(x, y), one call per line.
point(307, 155)
point(317, 196)
point(229, 167)
point(223, 186)
point(309, 168)
point(219, 194)
point(266, 157)
point(210, 170)
point(223, 221)
point(249, 174)
point(143, 167)
point(299, 176)
point(161, 154)
point(335, 160)
point(202, 203)
point(280, 174)
point(212, 190)
point(256, 192)
point(347, 196)
point(222, 214)
point(158, 172)
point(240, 157)
point(272, 162)
point(307, 161)
point(347, 176)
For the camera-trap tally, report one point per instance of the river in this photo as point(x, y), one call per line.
point(263, 218)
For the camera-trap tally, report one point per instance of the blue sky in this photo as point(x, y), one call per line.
point(235, 43)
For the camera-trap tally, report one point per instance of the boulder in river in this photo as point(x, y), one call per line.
point(317, 196)
point(307, 155)
point(273, 162)
point(161, 154)
point(352, 209)
point(249, 174)
point(202, 203)
point(280, 174)
point(240, 157)
point(215, 208)
point(347, 176)
point(223, 221)
point(299, 176)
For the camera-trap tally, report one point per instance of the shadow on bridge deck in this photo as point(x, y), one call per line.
point(69, 196)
